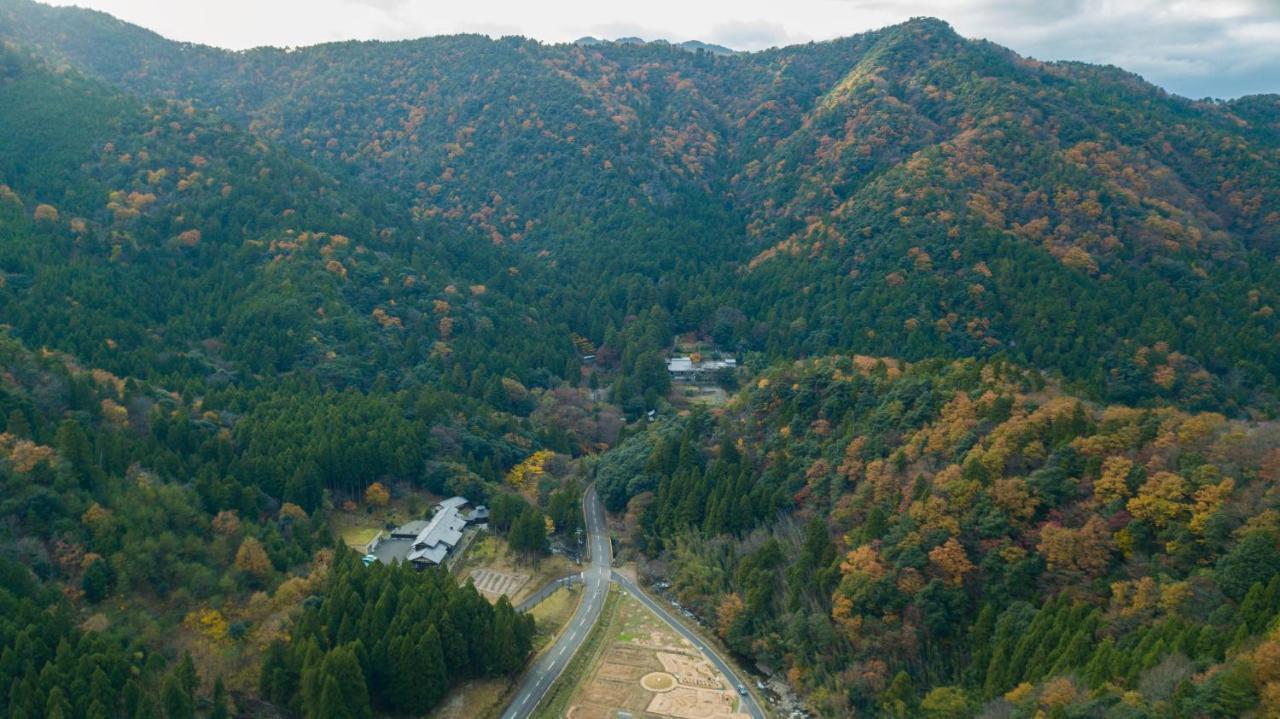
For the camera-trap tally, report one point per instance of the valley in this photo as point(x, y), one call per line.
point(899, 372)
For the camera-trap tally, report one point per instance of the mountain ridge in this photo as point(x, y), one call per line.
point(759, 172)
point(1000, 437)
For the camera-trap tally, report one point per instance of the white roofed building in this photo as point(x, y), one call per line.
point(693, 369)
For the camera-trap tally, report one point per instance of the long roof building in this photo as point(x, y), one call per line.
point(425, 543)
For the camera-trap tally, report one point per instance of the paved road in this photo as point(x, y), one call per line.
point(749, 703)
point(539, 678)
point(547, 590)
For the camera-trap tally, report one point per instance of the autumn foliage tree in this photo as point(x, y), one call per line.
point(377, 495)
point(252, 560)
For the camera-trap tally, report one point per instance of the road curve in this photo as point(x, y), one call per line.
point(749, 702)
point(547, 590)
point(538, 679)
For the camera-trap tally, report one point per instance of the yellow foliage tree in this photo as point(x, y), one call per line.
point(24, 454)
point(377, 495)
point(46, 213)
point(1208, 500)
point(115, 415)
point(525, 475)
point(1160, 499)
point(1058, 692)
point(1014, 498)
point(227, 523)
point(95, 515)
point(864, 560)
point(1111, 484)
point(208, 622)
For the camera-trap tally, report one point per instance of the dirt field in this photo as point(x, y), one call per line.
point(495, 570)
point(494, 584)
point(649, 670)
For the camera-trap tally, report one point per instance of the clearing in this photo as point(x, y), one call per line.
point(496, 570)
point(357, 527)
point(695, 394)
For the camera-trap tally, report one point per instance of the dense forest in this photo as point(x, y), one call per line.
point(968, 528)
point(928, 195)
point(1001, 442)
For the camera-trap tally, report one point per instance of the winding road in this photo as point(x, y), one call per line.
point(537, 681)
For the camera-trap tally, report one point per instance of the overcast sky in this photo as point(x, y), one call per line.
point(1198, 48)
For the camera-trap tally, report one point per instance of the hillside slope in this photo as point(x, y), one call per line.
point(904, 191)
point(154, 238)
point(898, 537)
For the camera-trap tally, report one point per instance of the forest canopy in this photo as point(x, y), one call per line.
point(999, 438)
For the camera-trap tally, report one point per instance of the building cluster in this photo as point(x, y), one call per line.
point(426, 543)
point(697, 369)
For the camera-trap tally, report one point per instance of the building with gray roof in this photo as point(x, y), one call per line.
point(426, 543)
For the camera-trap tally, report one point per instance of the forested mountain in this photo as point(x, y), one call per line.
point(151, 237)
point(230, 341)
point(238, 289)
point(927, 194)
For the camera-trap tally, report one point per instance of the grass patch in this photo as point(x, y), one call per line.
point(552, 613)
point(485, 549)
point(358, 527)
point(556, 702)
point(358, 537)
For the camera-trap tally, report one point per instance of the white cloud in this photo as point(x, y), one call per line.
point(752, 34)
point(1193, 47)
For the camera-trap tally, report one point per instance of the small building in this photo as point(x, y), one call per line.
point(696, 369)
point(426, 543)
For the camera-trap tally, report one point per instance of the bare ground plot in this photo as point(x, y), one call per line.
point(494, 584)
point(496, 570)
point(474, 700)
point(646, 669)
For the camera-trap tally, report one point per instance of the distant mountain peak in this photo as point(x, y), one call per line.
point(687, 45)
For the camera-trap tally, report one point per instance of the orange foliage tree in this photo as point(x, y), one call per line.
point(377, 495)
point(252, 559)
